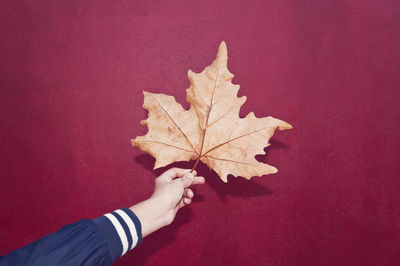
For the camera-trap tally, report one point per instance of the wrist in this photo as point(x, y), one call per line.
point(152, 217)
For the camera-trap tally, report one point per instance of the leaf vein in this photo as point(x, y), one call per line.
point(229, 160)
point(228, 141)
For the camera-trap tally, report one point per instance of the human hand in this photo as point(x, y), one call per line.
point(171, 192)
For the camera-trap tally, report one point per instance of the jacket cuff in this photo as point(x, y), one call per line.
point(122, 231)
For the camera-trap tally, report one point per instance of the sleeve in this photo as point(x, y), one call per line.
point(97, 241)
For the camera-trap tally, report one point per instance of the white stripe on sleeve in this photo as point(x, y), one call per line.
point(120, 230)
point(131, 227)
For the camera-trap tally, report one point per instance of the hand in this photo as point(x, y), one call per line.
point(171, 193)
point(172, 190)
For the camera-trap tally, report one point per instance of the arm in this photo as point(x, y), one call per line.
point(102, 240)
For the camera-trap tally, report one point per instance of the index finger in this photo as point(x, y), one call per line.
point(178, 172)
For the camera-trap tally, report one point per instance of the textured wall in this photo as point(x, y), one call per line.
point(71, 76)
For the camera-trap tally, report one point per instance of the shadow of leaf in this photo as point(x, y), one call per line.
point(236, 186)
point(275, 145)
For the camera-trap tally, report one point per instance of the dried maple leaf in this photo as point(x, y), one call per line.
point(211, 131)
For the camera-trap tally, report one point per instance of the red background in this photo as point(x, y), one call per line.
point(71, 77)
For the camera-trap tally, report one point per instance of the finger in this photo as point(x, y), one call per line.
point(198, 180)
point(188, 193)
point(182, 203)
point(187, 201)
point(179, 172)
point(179, 205)
point(187, 180)
point(172, 173)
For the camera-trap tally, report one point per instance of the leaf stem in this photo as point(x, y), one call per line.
point(195, 164)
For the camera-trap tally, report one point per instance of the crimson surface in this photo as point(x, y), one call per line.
point(71, 81)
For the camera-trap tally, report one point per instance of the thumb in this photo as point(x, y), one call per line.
point(187, 180)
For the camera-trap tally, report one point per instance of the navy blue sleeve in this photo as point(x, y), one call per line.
point(98, 241)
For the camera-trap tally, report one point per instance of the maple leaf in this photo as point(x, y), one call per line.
point(211, 130)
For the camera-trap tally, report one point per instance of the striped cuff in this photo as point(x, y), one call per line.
point(122, 230)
